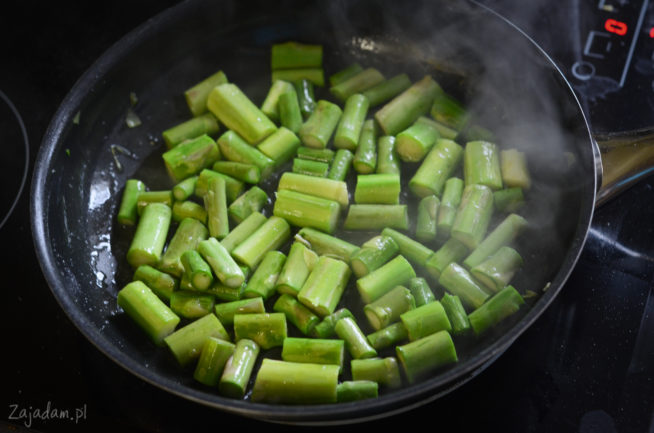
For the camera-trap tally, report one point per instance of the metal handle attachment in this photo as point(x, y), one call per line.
point(626, 158)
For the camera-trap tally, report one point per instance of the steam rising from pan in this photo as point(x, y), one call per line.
point(505, 82)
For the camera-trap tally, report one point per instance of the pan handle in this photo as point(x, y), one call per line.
point(626, 158)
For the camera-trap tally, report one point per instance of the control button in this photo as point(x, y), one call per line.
point(583, 70)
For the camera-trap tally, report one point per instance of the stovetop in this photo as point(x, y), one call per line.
point(587, 365)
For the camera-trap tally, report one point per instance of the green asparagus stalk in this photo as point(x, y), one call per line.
point(378, 188)
point(213, 357)
point(340, 166)
point(266, 329)
point(149, 312)
point(388, 308)
point(226, 311)
point(329, 189)
point(345, 73)
point(503, 234)
point(161, 283)
point(373, 253)
point(497, 271)
point(456, 313)
point(238, 113)
point(235, 148)
point(238, 369)
point(190, 157)
point(319, 127)
point(269, 236)
point(473, 215)
point(233, 187)
point(252, 200)
point(384, 371)
point(422, 293)
point(427, 218)
point(446, 132)
point(448, 111)
point(387, 157)
point(326, 245)
point(356, 343)
point(190, 304)
point(458, 281)
point(450, 200)
point(147, 197)
point(386, 90)
point(263, 280)
point(221, 262)
point(215, 202)
point(305, 97)
point(150, 236)
point(185, 283)
point(396, 272)
point(322, 155)
point(304, 210)
point(243, 230)
point(355, 390)
point(128, 211)
point(298, 266)
point(325, 328)
point(280, 146)
point(200, 125)
point(197, 269)
point(414, 251)
point(310, 168)
point(404, 109)
point(196, 96)
point(296, 313)
point(283, 382)
point(224, 293)
point(186, 342)
point(500, 306)
point(376, 217)
point(481, 164)
point(314, 351)
point(314, 75)
point(325, 285)
point(508, 199)
point(190, 232)
point(414, 142)
point(351, 122)
point(290, 114)
point(425, 320)
point(420, 357)
point(248, 173)
point(388, 336)
point(270, 105)
point(365, 156)
point(451, 251)
point(513, 166)
point(357, 83)
point(189, 209)
point(439, 164)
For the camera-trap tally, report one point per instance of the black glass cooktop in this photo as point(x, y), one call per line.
point(587, 365)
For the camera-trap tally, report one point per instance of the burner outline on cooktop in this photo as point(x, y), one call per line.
point(23, 181)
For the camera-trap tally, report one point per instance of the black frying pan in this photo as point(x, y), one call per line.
point(509, 84)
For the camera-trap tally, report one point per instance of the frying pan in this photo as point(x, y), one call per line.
point(508, 83)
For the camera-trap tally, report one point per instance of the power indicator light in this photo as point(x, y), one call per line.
point(617, 27)
point(651, 32)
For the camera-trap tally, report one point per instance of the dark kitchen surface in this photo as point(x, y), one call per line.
point(587, 365)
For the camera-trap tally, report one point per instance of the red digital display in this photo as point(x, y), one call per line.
point(614, 26)
point(651, 32)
